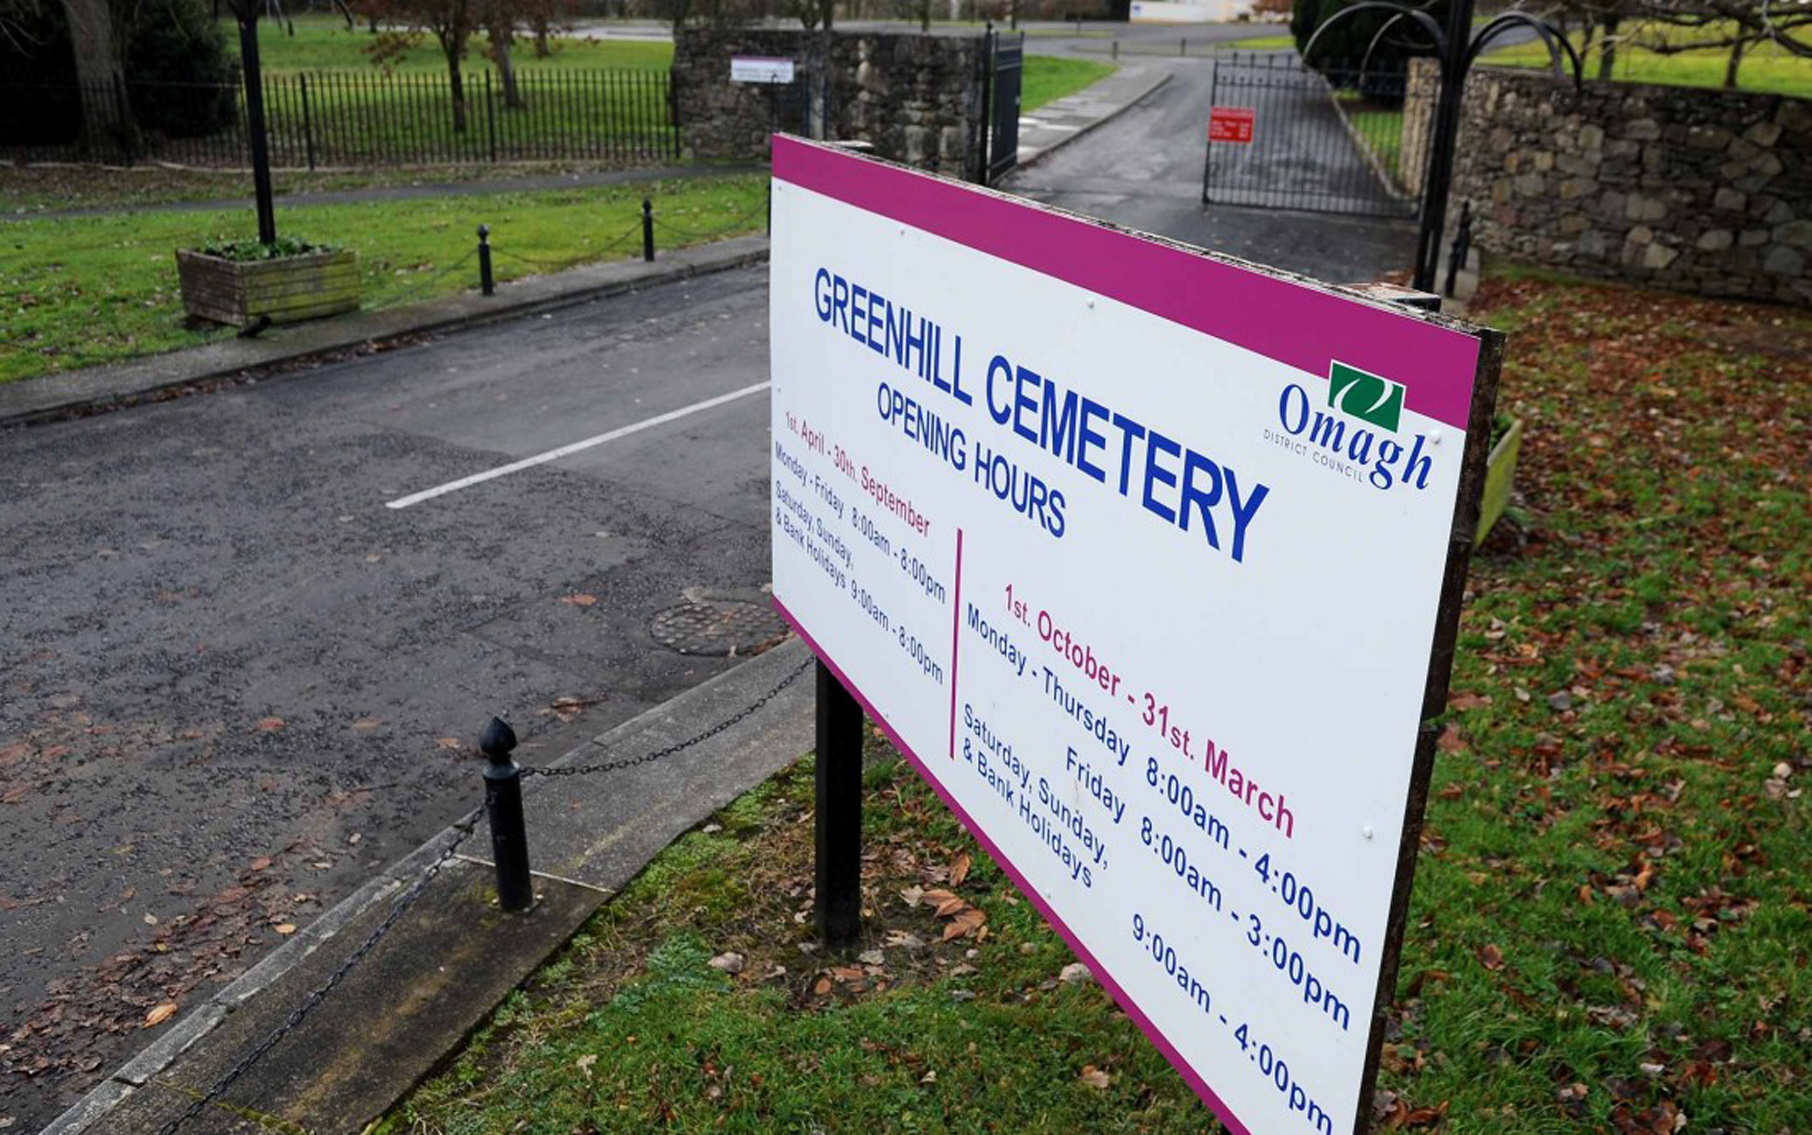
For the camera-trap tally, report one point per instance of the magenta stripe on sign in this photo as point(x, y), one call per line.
point(1297, 324)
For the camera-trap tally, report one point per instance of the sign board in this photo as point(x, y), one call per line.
point(1141, 556)
point(1231, 124)
point(760, 69)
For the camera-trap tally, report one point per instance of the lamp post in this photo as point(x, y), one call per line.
point(1456, 51)
point(246, 12)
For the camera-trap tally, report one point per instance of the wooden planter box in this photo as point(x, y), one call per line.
point(286, 289)
point(1500, 477)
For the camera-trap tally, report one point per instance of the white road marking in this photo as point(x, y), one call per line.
point(575, 447)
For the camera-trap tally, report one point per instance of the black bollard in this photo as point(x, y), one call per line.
point(1462, 247)
point(503, 807)
point(839, 812)
point(486, 283)
point(647, 230)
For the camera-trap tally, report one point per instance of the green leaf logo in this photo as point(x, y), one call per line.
point(1365, 396)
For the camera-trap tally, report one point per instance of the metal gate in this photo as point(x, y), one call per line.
point(1282, 136)
point(1006, 66)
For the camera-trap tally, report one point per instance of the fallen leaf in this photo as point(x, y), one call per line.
point(1074, 972)
point(285, 928)
point(1492, 957)
point(1095, 1077)
point(579, 600)
point(366, 723)
point(261, 863)
point(450, 743)
point(968, 922)
point(159, 1015)
point(269, 724)
point(959, 870)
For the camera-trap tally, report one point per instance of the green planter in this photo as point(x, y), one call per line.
point(1500, 478)
point(286, 289)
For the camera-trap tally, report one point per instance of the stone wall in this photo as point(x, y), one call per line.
point(917, 99)
point(1702, 191)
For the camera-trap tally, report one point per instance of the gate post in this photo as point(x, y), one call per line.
point(984, 140)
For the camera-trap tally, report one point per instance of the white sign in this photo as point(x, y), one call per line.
point(1137, 554)
point(760, 69)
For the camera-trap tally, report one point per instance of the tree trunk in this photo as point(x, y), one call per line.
point(1607, 51)
point(105, 116)
point(456, 86)
point(500, 38)
point(542, 31)
point(1735, 61)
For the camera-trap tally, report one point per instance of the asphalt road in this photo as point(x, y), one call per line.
point(1144, 170)
point(237, 683)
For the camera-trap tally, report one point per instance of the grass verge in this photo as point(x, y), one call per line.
point(1608, 924)
point(1047, 78)
point(86, 290)
point(53, 188)
point(1765, 67)
point(323, 43)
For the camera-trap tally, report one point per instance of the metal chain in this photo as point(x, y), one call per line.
point(588, 254)
point(416, 288)
point(465, 826)
point(645, 758)
point(733, 226)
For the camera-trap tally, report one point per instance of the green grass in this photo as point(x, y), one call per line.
point(1259, 43)
point(1381, 128)
point(1049, 77)
point(322, 43)
point(1608, 925)
point(79, 291)
point(1766, 67)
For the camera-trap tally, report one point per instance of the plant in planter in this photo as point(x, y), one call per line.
point(285, 280)
point(1500, 472)
point(269, 279)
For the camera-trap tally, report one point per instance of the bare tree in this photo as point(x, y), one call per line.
point(1733, 26)
point(451, 22)
point(1673, 27)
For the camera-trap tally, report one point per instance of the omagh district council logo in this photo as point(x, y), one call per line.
point(1356, 435)
point(1367, 397)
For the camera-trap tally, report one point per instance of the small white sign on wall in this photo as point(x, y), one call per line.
point(760, 69)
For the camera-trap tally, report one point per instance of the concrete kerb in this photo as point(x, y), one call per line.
point(54, 396)
point(704, 703)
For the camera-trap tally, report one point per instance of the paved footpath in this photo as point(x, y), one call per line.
point(530, 183)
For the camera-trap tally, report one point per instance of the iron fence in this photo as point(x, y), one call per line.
point(1329, 139)
point(349, 118)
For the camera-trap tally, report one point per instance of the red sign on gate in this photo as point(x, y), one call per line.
point(1231, 124)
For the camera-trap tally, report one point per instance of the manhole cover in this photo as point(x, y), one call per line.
point(718, 626)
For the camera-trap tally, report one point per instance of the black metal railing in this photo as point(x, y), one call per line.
point(349, 119)
point(1323, 139)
